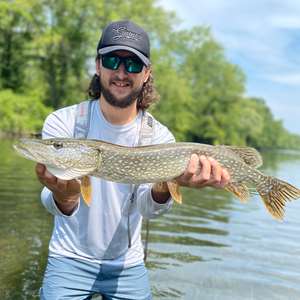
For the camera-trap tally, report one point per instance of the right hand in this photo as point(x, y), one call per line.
point(204, 171)
point(66, 193)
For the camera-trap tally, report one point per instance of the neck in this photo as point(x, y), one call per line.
point(117, 115)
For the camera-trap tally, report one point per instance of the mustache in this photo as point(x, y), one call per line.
point(117, 78)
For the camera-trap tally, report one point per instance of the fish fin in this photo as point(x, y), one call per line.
point(86, 189)
point(238, 189)
point(275, 193)
point(174, 190)
point(249, 155)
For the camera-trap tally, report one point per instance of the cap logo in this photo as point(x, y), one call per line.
point(124, 33)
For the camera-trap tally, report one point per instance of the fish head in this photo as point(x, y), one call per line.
point(64, 158)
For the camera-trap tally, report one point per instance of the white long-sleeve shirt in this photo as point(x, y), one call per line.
point(99, 233)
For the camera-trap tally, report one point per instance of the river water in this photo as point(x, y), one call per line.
point(210, 247)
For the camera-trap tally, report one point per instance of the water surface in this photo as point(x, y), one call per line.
point(210, 247)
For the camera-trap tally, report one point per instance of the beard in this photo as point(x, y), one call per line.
point(122, 102)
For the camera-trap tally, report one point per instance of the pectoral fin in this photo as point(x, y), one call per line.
point(240, 190)
point(86, 189)
point(174, 190)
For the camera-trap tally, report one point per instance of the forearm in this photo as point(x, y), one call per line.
point(66, 205)
point(54, 207)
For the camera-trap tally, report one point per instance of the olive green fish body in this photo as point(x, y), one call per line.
point(145, 164)
point(164, 162)
point(70, 158)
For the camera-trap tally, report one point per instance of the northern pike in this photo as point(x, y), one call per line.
point(74, 158)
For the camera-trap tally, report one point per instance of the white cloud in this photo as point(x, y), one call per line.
point(289, 79)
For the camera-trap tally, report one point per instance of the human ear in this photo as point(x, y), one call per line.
point(147, 74)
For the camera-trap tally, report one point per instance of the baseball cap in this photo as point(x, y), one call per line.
point(125, 35)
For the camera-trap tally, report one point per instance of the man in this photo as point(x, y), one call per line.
point(98, 249)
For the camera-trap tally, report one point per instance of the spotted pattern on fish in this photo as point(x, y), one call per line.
point(157, 163)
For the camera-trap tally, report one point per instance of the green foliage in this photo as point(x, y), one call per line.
point(18, 23)
point(47, 50)
point(21, 114)
point(216, 88)
point(174, 108)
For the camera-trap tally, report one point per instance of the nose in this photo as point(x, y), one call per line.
point(121, 71)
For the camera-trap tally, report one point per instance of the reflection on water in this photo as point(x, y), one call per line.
point(210, 247)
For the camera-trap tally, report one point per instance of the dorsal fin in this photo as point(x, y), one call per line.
point(249, 155)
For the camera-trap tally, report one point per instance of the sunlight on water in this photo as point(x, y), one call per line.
point(210, 247)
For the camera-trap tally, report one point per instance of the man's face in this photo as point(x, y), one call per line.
point(119, 87)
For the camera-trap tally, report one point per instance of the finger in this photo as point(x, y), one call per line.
point(225, 178)
point(44, 176)
point(205, 172)
point(49, 178)
point(191, 168)
point(73, 185)
point(40, 169)
point(61, 185)
point(216, 171)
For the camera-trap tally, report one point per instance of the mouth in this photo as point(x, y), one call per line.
point(121, 84)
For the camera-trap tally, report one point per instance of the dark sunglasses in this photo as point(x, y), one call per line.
point(112, 62)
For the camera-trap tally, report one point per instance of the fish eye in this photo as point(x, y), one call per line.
point(58, 145)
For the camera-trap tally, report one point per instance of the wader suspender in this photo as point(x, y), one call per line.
point(82, 126)
point(82, 119)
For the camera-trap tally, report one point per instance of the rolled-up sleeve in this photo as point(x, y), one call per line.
point(147, 206)
point(50, 205)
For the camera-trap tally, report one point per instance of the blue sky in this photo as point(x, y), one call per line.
point(263, 38)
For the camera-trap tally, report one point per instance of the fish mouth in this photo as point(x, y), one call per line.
point(23, 147)
point(22, 150)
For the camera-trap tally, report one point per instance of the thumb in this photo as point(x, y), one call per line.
point(40, 169)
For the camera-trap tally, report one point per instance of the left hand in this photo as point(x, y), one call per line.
point(204, 171)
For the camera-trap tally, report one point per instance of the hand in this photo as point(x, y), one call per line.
point(160, 192)
point(204, 171)
point(66, 193)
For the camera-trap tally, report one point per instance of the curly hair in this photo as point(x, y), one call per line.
point(147, 97)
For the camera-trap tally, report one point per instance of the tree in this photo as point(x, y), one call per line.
point(217, 86)
point(20, 114)
point(18, 21)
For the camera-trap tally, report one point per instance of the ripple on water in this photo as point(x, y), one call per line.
point(210, 247)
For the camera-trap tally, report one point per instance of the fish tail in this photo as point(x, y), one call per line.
point(275, 193)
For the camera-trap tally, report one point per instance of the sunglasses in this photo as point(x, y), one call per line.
point(112, 62)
